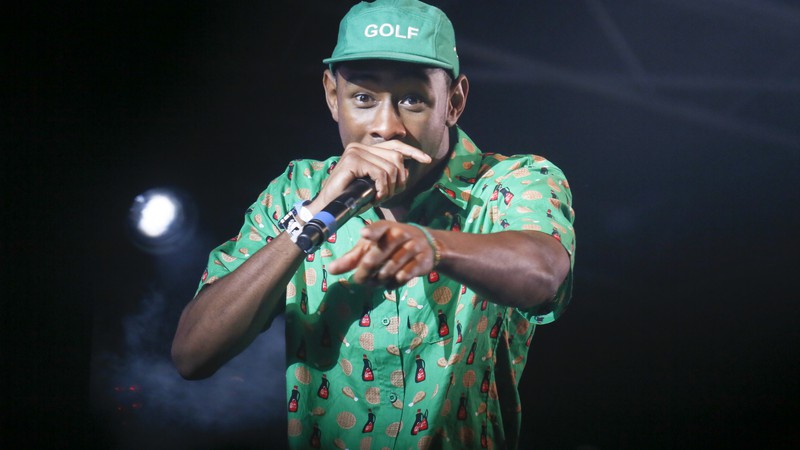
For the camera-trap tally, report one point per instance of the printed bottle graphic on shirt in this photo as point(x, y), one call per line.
point(456, 226)
point(420, 422)
point(471, 354)
point(465, 179)
point(294, 399)
point(530, 336)
point(449, 192)
point(370, 425)
point(324, 387)
point(507, 195)
point(458, 331)
point(495, 192)
point(365, 319)
point(310, 257)
point(444, 330)
point(433, 277)
point(291, 169)
point(304, 301)
point(484, 437)
point(324, 279)
point(333, 164)
point(332, 238)
point(463, 288)
point(420, 376)
point(496, 328)
point(366, 373)
point(316, 437)
point(484, 304)
point(462, 407)
point(485, 381)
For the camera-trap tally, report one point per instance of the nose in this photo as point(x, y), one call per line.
point(387, 124)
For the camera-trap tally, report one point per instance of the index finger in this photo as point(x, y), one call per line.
point(349, 260)
point(408, 151)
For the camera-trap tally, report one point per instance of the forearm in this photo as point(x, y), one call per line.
point(226, 316)
point(514, 268)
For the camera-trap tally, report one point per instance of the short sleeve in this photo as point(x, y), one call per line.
point(532, 193)
point(260, 226)
point(299, 181)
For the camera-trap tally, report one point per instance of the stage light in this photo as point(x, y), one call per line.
point(157, 214)
point(160, 219)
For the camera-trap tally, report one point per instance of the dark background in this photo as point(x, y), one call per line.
point(676, 123)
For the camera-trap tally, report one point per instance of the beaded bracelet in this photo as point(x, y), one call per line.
point(437, 255)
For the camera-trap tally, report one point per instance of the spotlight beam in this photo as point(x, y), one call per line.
point(617, 40)
point(529, 71)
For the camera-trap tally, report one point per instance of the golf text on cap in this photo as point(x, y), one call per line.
point(387, 30)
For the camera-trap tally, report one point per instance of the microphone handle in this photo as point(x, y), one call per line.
point(356, 195)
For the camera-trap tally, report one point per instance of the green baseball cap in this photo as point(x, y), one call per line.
point(397, 30)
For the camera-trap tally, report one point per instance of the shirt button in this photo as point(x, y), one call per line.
point(385, 321)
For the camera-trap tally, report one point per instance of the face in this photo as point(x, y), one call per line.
point(378, 101)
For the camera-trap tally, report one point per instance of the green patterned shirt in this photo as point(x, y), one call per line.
point(429, 364)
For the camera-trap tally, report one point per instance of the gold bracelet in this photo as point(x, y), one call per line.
point(437, 254)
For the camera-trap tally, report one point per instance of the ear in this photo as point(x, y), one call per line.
point(458, 99)
point(329, 85)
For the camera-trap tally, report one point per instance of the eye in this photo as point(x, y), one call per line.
point(363, 100)
point(413, 101)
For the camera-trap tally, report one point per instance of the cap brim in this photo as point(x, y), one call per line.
point(391, 56)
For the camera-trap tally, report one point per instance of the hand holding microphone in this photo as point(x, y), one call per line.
point(369, 173)
point(358, 194)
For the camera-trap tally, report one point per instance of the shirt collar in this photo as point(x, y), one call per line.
point(459, 175)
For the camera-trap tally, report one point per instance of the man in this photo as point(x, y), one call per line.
point(409, 327)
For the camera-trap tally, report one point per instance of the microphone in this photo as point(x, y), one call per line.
point(356, 195)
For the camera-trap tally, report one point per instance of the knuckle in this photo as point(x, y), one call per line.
point(350, 150)
point(384, 178)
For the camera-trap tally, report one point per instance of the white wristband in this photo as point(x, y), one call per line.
point(304, 214)
point(290, 224)
point(294, 230)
